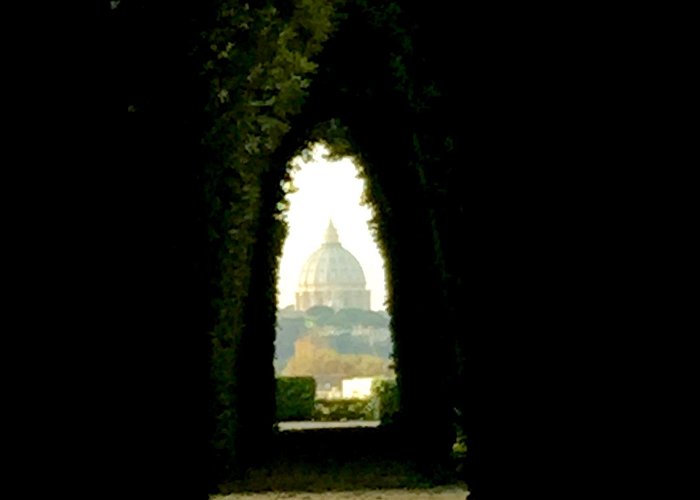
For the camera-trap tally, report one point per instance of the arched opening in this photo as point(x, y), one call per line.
point(332, 324)
point(324, 189)
point(358, 106)
point(402, 452)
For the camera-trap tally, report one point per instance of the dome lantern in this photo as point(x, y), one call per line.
point(331, 233)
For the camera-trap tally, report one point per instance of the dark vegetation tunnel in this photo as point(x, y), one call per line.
point(191, 113)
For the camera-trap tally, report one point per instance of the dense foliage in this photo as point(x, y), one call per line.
point(333, 330)
point(295, 398)
point(385, 396)
point(313, 359)
point(259, 67)
point(334, 410)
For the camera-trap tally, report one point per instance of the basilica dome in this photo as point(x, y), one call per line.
point(332, 277)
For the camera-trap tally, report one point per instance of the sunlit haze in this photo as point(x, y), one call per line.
point(328, 190)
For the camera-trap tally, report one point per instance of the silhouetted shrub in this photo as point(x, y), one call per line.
point(385, 398)
point(295, 398)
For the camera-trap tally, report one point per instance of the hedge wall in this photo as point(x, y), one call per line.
point(358, 76)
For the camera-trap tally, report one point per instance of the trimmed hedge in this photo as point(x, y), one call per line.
point(295, 398)
point(383, 405)
point(330, 410)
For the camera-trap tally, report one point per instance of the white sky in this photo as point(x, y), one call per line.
point(328, 190)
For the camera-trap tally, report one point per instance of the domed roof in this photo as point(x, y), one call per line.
point(332, 266)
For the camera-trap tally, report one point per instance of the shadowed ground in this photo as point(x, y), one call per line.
point(347, 462)
point(442, 493)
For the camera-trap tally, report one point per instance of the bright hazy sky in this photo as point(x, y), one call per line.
point(328, 190)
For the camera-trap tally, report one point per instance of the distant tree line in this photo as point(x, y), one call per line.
point(324, 315)
point(311, 358)
point(335, 328)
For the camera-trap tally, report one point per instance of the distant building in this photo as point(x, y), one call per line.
point(328, 386)
point(358, 387)
point(332, 277)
